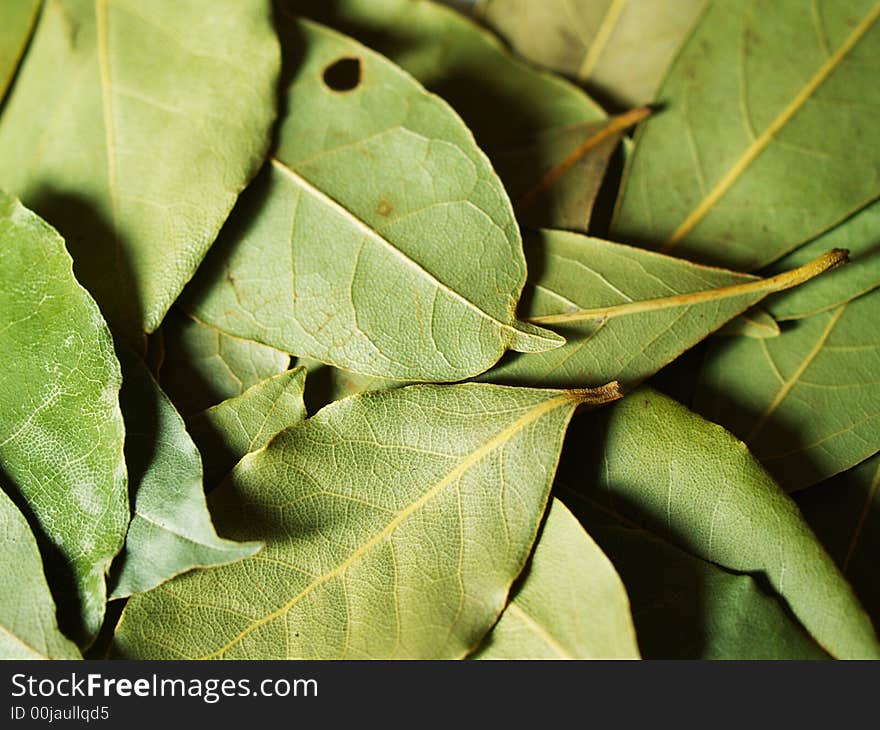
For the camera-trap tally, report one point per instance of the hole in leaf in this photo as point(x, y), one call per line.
point(344, 74)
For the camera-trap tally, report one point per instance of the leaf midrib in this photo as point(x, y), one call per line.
point(451, 477)
point(374, 235)
point(754, 150)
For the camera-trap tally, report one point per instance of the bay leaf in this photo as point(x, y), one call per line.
point(328, 384)
point(133, 127)
point(756, 322)
point(570, 603)
point(228, 431)
point(28, 628)
point(19, 18)
point(61, 430)
point(687, 608)
point(668, 470)
point(809, 406)
point(362, 276)
point(845, 513)
point(860, 235)
point(625, 312)
point(171, 530)
point(395, 524)
point(202, 366)
point(548, 140)
point(619, 49)
point(768, 136)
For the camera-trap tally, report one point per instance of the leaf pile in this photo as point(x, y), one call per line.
point(376, 329)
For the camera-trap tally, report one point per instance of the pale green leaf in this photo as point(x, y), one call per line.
point(19, 17)
point(549, 142)
point(845, 513)
point(61, 430)
point(860, 235)
point(395, 524)
point(28, 629)
point(170, 530)
point(688, 608)
point(624, 312)
point(236, 427)
point(769, 135)
point(328, 384)
point(570, 604)
point(619, 49)
point(361, 275)
point(807, 402)
point(202, 366)
point(756, 322)
point(670, 471)
point(133, 127)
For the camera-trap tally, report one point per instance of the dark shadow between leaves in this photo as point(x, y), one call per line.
point(110, 277)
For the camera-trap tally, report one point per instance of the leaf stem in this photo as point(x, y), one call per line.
point(830, 260)
point(614, 126)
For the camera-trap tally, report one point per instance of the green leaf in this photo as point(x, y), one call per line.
point(845, 513)
point(625, 313)
point(202, 366)
point(570, 603)
point(170, 530)
point(133, 127)
point(395, 524)
point(756, 323)
point(28, 629)
point(241, 425)
point(769, 136)
point(19, 18)
point(619, 49)
point(688, 608)
point(61, 430)
point(361, 276)
point(328, 384)
point(549, 142)
point(807, 402)
point(668, 470)
point(860, 235)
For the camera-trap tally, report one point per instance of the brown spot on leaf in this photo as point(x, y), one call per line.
point(385, 207)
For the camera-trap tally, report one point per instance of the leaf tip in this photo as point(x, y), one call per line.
point(607, 393)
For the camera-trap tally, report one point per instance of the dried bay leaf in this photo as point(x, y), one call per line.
point(756, 322)
point(203, 366)
point(845, 513)
point(170, 531)
point(19, 18)
point(228, 431)
point(860, 235)
point(619, 49)
point(395, 524)
point(688, 608)
point(625, 312)
point(549, 142)
point(154, 117)
point(28, 629)
point(570, 603)
point(364, 279)
point(769, 135)
point(667, 469)
point(61, 430)
point(809, 406)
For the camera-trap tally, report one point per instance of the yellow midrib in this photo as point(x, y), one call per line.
point(760, 143)
point(472, 459)
point(600, 40)
point(796, 376)
point(756, 287)
point(515, 610)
